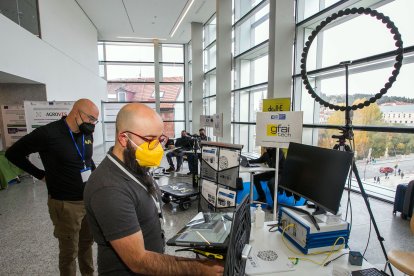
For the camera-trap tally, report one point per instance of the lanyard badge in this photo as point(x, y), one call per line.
point(86, 171)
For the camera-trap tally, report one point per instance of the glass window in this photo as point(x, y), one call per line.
point(251, 70)
point(172, 111)
point(130, 72)
point(100, 52)
point(210, 84)
point(141, 92)
point(23, 13)
point(172, 92)
point(210, 31)
point(172, 53)
point(172, 72)
point(362, 86)
point(376, 153)
point(129, 52)
point(241, 7)
point(210, 58)
point(253, 30)
point(310, 7)
point(173, 129)
point(209, 106)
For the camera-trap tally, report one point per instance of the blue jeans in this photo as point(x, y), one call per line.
point(177, 154)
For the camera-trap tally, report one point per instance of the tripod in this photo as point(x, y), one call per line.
point(348, 134)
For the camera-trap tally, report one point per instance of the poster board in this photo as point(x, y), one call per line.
point(40, 113)
point(275, 105)
point(278, 129)
point(215, 121)
point(14, 124)
point(206, 121)
point(218, 125)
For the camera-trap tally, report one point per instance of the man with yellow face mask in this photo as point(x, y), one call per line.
point(123, 202)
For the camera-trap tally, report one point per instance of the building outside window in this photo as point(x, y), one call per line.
point(365, 41)
point(130, 71)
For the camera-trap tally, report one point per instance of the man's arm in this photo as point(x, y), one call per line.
point(35, 141)
point(132, 252)
point(262, 159)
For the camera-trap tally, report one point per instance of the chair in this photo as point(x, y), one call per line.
point(403, 260)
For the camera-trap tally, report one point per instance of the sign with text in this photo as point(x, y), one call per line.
point(40, 113)
point(206, 121)
point(14, 124)
point(274, 105)
point(278, 129)
point(218, 125)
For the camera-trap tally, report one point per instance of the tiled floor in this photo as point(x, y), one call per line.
point(28, 247)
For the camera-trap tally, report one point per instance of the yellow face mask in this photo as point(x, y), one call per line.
point(146, 157)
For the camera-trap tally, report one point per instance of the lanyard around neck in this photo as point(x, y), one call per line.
point(82, 155)
point(157, 204)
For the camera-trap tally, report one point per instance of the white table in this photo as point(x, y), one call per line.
point(252, 171)
point(262, 239)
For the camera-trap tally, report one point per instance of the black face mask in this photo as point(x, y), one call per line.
point(87, 128)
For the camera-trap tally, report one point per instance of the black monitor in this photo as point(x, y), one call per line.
point(317, 174)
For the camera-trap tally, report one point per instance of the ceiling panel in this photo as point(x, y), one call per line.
point(133, 20)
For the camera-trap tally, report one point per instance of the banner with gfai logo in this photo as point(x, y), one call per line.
point(278, 129)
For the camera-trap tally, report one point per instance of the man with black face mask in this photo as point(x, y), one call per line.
point(123, 203)
point(65, 148)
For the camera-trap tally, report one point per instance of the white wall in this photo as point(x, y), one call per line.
point(65, 27)
point(66, 72)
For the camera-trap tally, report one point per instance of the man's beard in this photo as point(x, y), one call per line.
point(142, 173)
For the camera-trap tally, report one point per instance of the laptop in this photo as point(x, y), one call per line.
point(244, 162)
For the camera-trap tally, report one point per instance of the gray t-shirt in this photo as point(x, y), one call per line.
point(117, 207)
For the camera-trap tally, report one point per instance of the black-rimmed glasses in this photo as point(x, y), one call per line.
point(152, 143)
point(91, 119)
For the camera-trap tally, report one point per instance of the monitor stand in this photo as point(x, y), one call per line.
point(318, 210)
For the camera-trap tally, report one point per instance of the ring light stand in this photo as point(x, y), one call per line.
point(347, 132)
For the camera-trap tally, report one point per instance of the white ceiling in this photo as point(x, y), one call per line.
point(118, 20)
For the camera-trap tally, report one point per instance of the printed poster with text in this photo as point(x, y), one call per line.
point(40, 113)
point(278, 129)
point(14, 124)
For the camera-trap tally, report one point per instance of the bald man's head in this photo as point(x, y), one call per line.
point(140, 119)
point(86, 106)
point(83, 111)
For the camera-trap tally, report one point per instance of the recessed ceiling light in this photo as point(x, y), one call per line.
point(140, 37)
point(182, 15)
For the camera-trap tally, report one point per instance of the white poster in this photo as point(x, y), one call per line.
point(14, 124)
point(39, 113)
point(206, 121)
point(278, 129)
point(218, 125)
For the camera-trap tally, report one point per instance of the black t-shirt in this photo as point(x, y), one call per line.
point(269, 157)
point(59, 156)
point(118, 207)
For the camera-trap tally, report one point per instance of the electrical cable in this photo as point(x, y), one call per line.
point(369, 237)
point(328, 253)
point(330, 261)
